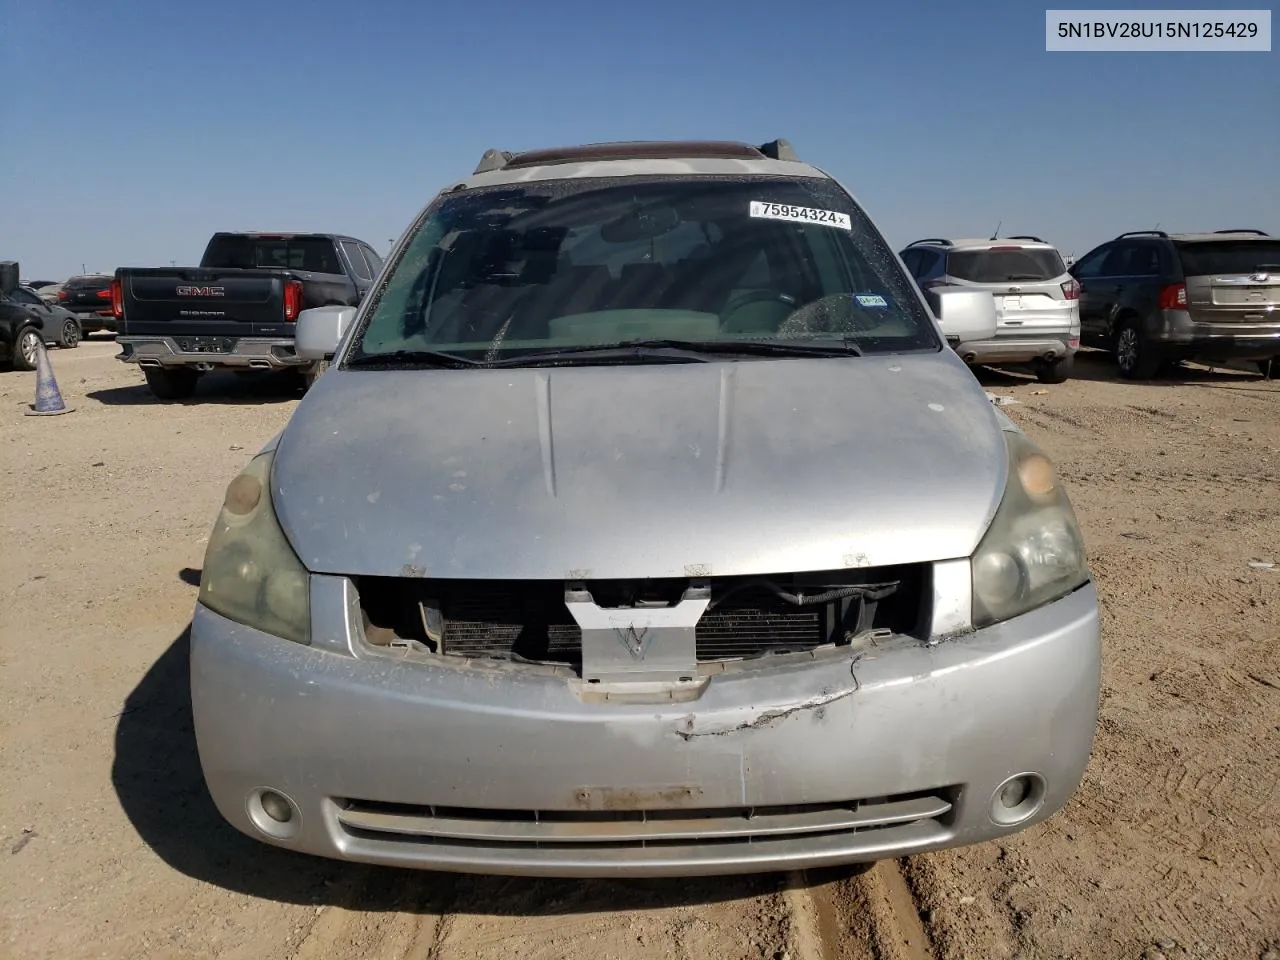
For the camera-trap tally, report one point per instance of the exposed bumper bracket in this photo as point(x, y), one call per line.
point(639, 643)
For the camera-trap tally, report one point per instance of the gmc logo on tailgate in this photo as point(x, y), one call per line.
point(201, 291)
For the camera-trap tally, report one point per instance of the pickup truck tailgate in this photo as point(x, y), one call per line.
point(203, 302)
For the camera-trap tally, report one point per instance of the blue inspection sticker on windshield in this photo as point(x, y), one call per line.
point(870, 300)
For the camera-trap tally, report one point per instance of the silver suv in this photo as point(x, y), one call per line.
point(1037, 300)
point(644, 524)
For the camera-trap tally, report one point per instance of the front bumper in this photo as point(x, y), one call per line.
point(255, 353)
point(502, 769)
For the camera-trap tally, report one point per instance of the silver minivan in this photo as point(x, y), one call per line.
point(644, 524)
point(1037, 299)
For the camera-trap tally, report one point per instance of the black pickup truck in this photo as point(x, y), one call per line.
point(237, 309)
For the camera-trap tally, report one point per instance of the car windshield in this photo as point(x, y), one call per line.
point(538, 267)
point(1001, 264)
point(1236, 256)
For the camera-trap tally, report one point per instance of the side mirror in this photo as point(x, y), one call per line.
point(8, 276)
point(966, 315)
point(320, 330)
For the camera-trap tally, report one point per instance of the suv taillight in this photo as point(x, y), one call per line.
point(116, 293)
point(105, 294)
point(1173, 297)
point(63, 295)
point(1071, 289)
point(292, 299)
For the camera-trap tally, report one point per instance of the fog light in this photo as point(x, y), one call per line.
point(1014, 792)
point(274, 814)
point(277, 807)
point(1017, 799)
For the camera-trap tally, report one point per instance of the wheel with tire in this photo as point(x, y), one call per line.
point(171, 384)
point(71, 334)
point(1136, 357)
point(1058, 371)
point(26, 349)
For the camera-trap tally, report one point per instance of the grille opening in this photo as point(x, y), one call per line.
point(485, 815)
point(748, 617)
point(621, 829)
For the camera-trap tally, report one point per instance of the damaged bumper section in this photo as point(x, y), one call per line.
point(823, 753)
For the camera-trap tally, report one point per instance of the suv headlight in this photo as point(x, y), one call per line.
point(251, 574)
point(1033, 552)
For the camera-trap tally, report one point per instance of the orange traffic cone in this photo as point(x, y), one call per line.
point(49, 402)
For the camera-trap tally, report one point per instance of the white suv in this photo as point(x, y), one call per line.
point(1037, 300)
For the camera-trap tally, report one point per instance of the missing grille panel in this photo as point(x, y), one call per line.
point(748, 617)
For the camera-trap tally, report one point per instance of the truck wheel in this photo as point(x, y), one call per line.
point(171, 384)
point(26, 351)
point(1136, 357)
point(1059, 371)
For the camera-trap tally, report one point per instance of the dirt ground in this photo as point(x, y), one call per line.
point(111, 848)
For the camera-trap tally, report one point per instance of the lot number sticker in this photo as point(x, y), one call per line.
point(782, 211)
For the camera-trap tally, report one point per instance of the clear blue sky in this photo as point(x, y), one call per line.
point(147, 125)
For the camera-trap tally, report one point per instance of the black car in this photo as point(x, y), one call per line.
point(26, 321)
point(89, 298)
point(1155, 299)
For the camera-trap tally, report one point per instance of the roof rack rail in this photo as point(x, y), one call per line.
point(1260, 233)
point(945, 243)
point(1023, 236)
point(493, 160)
point(779, 150)
point(1144, 233)
point(637, 150)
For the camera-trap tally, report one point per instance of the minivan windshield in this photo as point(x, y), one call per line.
point(563, 266)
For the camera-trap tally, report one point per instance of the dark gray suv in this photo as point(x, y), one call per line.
point(1155, 299)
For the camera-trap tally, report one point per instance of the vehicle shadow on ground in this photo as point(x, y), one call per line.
point(157, 777)
point(1099, 366)
point(217, 387)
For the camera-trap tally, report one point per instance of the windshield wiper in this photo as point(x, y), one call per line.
point(682, 351)
point(413, 358)
point(627, 351)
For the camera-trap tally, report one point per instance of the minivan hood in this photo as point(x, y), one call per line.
point(715, 469)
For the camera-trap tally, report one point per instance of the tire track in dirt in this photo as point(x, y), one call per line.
point(353, 926)
point(813, 935)
point(869, 915)
point(407, 915)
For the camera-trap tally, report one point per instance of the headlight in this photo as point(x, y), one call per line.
point(251, 574)
point(1033, 552)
